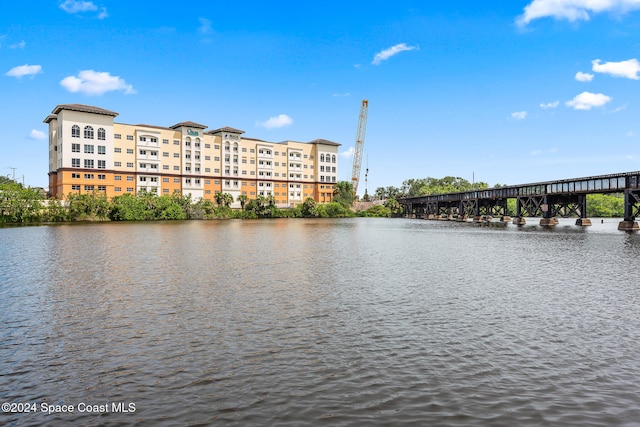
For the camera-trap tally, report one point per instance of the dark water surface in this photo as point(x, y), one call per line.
point(321, 322)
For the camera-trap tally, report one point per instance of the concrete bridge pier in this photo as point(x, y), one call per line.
point(631, 210)
point(519, 220)
point(549, 222)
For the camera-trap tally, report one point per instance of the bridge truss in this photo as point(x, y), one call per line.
point(546, 200)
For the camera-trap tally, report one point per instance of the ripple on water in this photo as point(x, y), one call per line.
point(322, 322)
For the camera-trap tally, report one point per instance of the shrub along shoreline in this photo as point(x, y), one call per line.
point(25, 205)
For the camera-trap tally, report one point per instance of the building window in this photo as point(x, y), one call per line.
point(102, 164)
point(333, 158)
point(207, 145)
point(118, 177)
point(143, 166)
point(88, 163)
point(165, 154)
point(117, 150)
point(129, 150)
point(130, 189)
point(75, 187)
point(176, 155)
point(129, 164)
point(165, 179)
point(88, 176)
point(129, 178)
point(102, 188)
point(75, 175)
point(129, 138)
point(176, 180)
point(75, 148)
point(117, 189)
point(117, 164)
point(165, 190)
point(165, 141)
point(75, 132)
point(102, 149)
point(102, 176)
point(176, 142)
point(176, 168)
point(102, 135)
point(88, 188)
point(117, 136)
point(88, 132)
point(88, 149)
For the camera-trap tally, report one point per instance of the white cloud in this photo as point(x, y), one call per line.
point(519, 115)
point(20, 45)
point(588, 100)
point(388, 53)
point(548, 105)
point(92, 82)
point(24, 70)
point(629, 68)
point(583, 77)
point(79, 6)
point(342, 94)
point(205, 26)
point(573, 10)
point(75, 6)
point(278, 121)
point(347, 154)
point(37, 134)
point(535, 153)
point(620, 108)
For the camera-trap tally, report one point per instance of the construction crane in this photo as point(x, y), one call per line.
point(357, 154)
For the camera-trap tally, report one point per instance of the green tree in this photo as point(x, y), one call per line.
point(605, 205)
point(243, 198)
point(88, 206)
point(19, 204)
point(223, 199)
point(395, 209)
point(309, 208)
point(343, 193)
point(128, 207)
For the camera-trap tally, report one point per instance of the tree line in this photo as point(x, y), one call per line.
point(19, 204)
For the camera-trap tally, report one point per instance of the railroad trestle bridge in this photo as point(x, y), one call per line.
point(547, 200)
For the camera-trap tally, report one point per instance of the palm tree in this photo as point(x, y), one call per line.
point(243, 198)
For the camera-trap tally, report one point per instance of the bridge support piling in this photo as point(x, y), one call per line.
point(631, 209)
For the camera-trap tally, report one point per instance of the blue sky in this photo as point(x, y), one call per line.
point(507, 91)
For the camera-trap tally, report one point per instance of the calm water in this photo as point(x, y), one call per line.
point(322, 323)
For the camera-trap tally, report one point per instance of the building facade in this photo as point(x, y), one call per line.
point(89, 152)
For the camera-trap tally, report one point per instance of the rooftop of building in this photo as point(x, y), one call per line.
point(189, 125)
point(83, 109)
point(225, 129)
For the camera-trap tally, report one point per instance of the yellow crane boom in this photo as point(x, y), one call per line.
point(357, 154)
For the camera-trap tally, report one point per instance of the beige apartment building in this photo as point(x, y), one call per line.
point(89, 152)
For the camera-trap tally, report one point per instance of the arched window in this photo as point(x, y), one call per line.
point(88, 132)
point(75, 131)
point(322, 157)
point(333, 158)
point(102, 135)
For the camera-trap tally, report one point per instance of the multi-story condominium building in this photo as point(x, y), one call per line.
point(89, 152)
